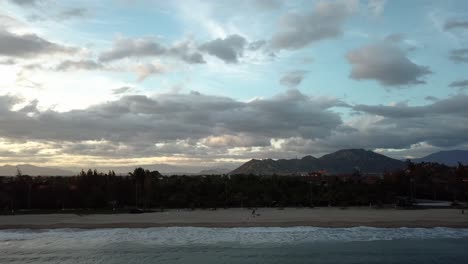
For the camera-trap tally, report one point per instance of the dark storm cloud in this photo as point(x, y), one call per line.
point(454, 24)
point(28, 45)
point(229, 49)
point(459, 55)
point(387, 64)
point(292, 79)
point(325, 21)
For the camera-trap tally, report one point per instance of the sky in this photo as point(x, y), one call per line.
point(107, 83)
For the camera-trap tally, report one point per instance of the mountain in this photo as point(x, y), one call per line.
point(26, 169)
point(449, 158)
point(214, 171)
point(168, 169)
point(342, 161)
point(345, 161)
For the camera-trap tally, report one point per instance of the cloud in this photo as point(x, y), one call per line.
point(256, 45)
point(121, 90)
point(28, 45)
point(293, 79)
point(79, 65)
point(183, 51)
point(454, 24)
point(268, 4)
point(229, 49)
point(453, 106)
point(138, 121)
point(195, 125)
point(7, 62)
point(147, 47)
point(75, 12)
point(376, 7)
point(439, 124)
point(462, 84)
point(148, 69)
point(125, 48)
point(459, 55)
point(325, 21)
point(431, 98)
point(395, 38)
point(26, 2)
point(387, 64)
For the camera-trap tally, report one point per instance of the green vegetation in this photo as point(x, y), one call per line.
point(92, 191)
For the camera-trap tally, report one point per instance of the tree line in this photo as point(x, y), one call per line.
point(150, 190)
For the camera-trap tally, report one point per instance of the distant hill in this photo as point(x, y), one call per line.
point(169, 169)
point(214, 171)
point(449, 158)
point(342, 161)
point(31, 170)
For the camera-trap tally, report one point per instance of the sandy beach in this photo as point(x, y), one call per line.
point(267, 217)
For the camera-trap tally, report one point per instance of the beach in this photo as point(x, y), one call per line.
point(238, 217)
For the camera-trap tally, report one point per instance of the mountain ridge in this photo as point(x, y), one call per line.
point(28, 169)
point(447, 157)
point(341, 161)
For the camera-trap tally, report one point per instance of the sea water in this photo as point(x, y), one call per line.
point(236, 245)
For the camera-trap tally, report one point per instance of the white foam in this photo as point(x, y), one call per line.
point(70, 238)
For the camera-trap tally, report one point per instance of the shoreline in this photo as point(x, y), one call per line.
point(237, 217)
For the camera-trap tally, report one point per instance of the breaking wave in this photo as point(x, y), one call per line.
point(180, 236)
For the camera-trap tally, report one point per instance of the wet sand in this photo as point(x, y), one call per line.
point(237, 217)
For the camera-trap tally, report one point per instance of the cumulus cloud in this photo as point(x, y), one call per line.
point(256, 45)
point(147, 47)
point(28, 45)
point(125, 47)
point(293, 79)
point(395, 38)
point(79, 65)
point(134, 120)
point(183, 51)
point(268, 4)
point(440, 124)
point(229, 49)
point(376, 7)
point(462, 84)
point(121, 90)
point(455, 24)
point(26, 2)
point(148, 69)
point(387, 64)
point(75, 12)
point(459, 55)
point(325, 21)
point(212, 127)
point(453, 105)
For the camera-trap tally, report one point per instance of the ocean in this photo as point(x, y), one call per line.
point(236, 245)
